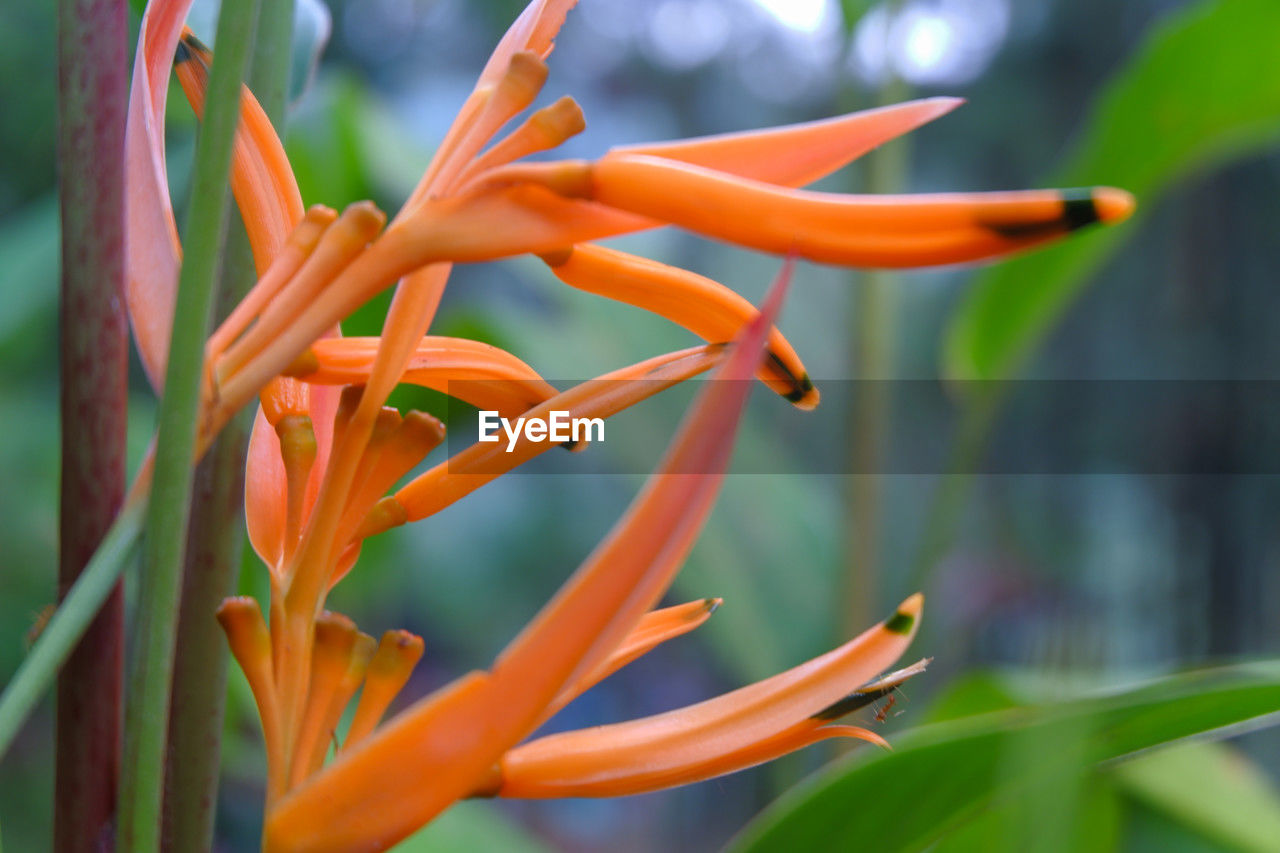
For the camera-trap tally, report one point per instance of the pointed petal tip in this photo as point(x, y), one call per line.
point(870, 737)
point(805, 396)
point(942, 104)
point(712, 604)
point(1113, 205)
point(904, 620)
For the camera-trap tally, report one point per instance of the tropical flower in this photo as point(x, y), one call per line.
point(325, 450)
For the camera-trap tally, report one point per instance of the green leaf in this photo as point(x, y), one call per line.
point(29, 245)
point(1202, 91)
point(976, 693)
point(940, 777)
point(472, 825)
point(1096, 825)
point(1209, 788)
point(851, 12)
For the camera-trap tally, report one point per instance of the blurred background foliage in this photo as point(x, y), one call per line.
point(1047, 594)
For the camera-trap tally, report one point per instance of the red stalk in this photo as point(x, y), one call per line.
point(93, 90)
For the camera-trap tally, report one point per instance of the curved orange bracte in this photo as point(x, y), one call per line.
point(707, 308)
point(730, 732)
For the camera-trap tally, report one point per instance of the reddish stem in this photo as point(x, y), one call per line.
point(93, 101)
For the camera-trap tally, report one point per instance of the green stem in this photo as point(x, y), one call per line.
point(871, 366)
point(147, 714)
point(216, 537)
point(269, 76)
point(213, 554)
point(81, 603)
point(93, 101)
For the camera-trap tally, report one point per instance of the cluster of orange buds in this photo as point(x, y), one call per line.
point(326, 451)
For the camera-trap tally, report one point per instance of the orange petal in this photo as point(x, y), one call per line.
point(152, 247)
point(494, 223)
point(527, 772)
point(799, 154)
point(483, 462)
point(398, 653)
point(269, 516)
point(331, 653)
point(369, 797)
point(250, 643)
point(266, 494)
point(388, 457)
point(479, 374)
point(511, 94)
point(261, 177)
point(653, 629)
point(705, 307)
point(727, 733)
point(534, 31)
point(542, 131)
point(298, 247)
point(357, 666)
point(239, 373)
point(392, 783)
point(500, 221)
point(276, 475)
point(874, 231)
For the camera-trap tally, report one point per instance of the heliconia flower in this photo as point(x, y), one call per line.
point(326, 452)
point(462, 740)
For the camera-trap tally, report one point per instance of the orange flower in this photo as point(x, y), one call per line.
point(325, 450)
point(463, 740)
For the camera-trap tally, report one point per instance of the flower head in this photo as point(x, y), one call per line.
point(326, 451)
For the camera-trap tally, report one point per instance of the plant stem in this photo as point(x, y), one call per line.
point(216, 539)
point(81, 604)
point(93, 101)
point(269, 76)
point(214, 545)
point(147, 714)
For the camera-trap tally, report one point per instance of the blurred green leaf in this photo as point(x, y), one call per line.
point(1149, 831)
point(345, 146)
point(1096, 825)
point(758, 557)
point(851, 12)
point(1211, 789)
point(29, 245)
point(472, 825)
point(938, 777)
point(1202, 91)
point(977, 693)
